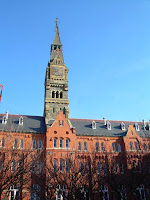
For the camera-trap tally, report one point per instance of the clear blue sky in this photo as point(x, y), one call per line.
point(106, 46)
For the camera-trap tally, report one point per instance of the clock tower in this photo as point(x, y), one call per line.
point(56, 82)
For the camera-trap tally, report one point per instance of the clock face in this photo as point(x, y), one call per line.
point(57, 71)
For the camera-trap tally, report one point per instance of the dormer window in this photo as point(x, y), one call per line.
point(4, 120)
point(93, 125)
point(123, 128)
point(137, 127)
point(21, 120)
point(108, 125)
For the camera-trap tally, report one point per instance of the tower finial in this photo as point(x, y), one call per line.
point(56, 21)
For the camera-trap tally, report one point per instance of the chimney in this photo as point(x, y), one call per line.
point(144, 124)
point(7, 115)
point(104, 118)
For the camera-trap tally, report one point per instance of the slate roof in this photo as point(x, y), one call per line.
point(31, 124)
point(83, 128)
point(36, 124)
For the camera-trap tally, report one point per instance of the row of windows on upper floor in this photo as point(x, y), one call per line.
point(57, 94)
point(61, 143)
point(138, 147)
point(20, 144)
point(84, 167)
point(116, 147)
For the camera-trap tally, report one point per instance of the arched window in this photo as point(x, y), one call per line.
point(61, 95)
point(57, 94)
point(79, 146)
point(53, 94)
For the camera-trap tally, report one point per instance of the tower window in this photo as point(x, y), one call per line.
point(61, 95)
point(53, 94)
point(57, 94)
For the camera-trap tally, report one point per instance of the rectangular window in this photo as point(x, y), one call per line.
point(67, 143)
point(39, 167)
point(34, 144)
point(59, 123)
point(55, 165)
point(113, 147)
point(136, 146)
point(116, 169)
point(60, 143)
point(55, 143)
point(118, 147)
point(21, 144)
point(145, 148)
point(20, 165)
point(1, 165)
point(15, 144)
point(13, 166)
point(85, 146)
point(86, 168)
point(61, 165)
point(102, 146)
point(149, 147)
point(67, 166)
point(81, 167)
point(79, 146)
point(3, 142)
point(98, 168)
point(121, 168)
point(62, 123)
point(40, 144)
point(131, 146)
point(97, 146)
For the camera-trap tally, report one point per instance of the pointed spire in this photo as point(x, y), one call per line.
point(57, 38)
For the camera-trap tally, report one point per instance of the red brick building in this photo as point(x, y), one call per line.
point(55, 157)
